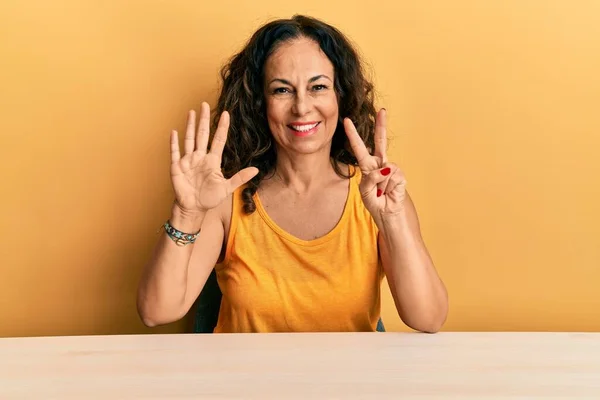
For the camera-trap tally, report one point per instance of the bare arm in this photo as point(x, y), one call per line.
point(175, 275)
point(419, 293)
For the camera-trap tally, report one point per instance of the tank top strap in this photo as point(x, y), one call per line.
point(237, 211)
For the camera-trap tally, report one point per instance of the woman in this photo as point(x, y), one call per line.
point(295, 201)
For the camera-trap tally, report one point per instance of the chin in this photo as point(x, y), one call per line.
point(308, 148)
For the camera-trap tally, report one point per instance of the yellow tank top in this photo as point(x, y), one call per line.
point(275, 282)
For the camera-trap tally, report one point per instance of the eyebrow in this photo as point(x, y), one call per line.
point(311, 80)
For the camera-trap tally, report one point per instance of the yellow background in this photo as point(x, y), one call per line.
point(494, 112)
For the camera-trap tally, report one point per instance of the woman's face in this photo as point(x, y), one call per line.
point(302, 107)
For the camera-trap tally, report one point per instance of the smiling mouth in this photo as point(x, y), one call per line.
point(304, 130)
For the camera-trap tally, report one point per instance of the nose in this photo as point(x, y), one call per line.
point(301, 104)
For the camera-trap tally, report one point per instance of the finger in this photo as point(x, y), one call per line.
point(370, 183)
point(379, 179)
point(203, 128)
point(381, 135)
point(387, 171)
point(189, 133)
point(175, 156)
point(218, 142)
point(395, 178)
point(358, 146)
point(240, 178)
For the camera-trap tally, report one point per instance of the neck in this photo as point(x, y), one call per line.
point(303, 172)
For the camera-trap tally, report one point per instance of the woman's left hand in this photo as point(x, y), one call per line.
point(383, 186)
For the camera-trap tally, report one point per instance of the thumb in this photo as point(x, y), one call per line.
point(240, 178)
point(371, 182)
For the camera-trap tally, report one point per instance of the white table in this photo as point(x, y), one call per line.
point(303, 366)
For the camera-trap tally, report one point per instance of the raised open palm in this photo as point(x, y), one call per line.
point(197, 179)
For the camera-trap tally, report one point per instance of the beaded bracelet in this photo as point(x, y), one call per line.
point(180, 238)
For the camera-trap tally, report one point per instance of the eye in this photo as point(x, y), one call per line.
point(318, 88)
point(281, 90)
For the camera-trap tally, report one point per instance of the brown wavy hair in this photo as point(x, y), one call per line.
point(250, 142)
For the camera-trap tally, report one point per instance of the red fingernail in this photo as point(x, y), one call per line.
point(386, 171)
point(379, 192)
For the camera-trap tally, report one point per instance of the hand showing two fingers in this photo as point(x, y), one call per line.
point(383, 186)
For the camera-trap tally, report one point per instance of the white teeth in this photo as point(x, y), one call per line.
point(303, 128)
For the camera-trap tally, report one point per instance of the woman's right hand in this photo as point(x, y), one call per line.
point(197, 179)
